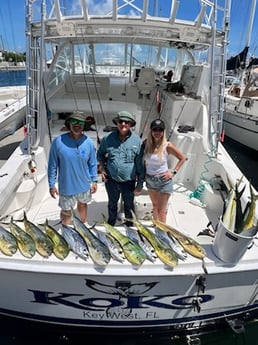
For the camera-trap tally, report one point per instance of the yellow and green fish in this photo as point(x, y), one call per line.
point(163, 251)
point(232, 215)
point(249, 217)
point(191, 246)
point(25, 242)
point(61, 248)
point(132, 251)
point(98, 251)
point(8, 242)
point(44, 245)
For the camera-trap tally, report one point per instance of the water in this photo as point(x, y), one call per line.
point(222, 337)
point(12, 78)
point(247, 161)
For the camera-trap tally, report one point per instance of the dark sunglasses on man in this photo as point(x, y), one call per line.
point(123, 121)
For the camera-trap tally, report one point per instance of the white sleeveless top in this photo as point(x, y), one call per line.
point(153, 164)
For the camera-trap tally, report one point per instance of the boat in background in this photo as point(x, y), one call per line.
point(111, 59)
point(12, 109)
point(240, 119)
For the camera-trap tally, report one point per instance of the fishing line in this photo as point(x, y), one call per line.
point(177, 118)
point(150, 111)
point(88, 90)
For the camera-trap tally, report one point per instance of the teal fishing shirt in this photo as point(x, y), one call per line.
point(73, 164)
point(122, 159)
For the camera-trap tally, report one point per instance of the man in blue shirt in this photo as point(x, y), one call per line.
point(121, 166)
point(72, 161)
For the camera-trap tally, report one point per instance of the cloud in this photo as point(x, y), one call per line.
point(100, 7)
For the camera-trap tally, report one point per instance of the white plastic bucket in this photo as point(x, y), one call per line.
point(229, 246)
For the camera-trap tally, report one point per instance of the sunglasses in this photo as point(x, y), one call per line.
point(158, 130)
point(77, 122)
point(124, 121)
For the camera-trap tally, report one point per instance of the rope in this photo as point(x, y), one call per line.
point(203, 181)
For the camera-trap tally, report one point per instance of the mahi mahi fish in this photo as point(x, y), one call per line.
point(61, 248)
point(75, 241)
point(249, 220)
point(163, 251)
point(8, 242)
point(25, 242)
point(232, 215)
point(115, 249)
point(191, 246)
point(132, 251)
point(143, 243)
point(98, 251)
point(44, 245)
point(172, 242)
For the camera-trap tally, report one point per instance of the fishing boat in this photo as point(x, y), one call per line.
point(240, 117)
point(107, 59)
point(12, 109)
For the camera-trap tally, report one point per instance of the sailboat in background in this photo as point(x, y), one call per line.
point(240, 120)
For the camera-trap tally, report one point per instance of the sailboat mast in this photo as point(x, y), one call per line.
point(250, 24)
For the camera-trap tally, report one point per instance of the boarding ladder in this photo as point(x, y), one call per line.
point(35, 51)
point(218, 73)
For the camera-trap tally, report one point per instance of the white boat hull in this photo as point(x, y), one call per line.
point(240, 120)
point(127, 302)
point(12, 109)
point(190, 294)
point(242, 128)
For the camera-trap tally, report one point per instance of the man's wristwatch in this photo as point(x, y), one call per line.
point(174, 172)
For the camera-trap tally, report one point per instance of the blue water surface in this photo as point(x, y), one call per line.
point(12, 78)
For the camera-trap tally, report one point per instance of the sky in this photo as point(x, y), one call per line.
point(13, 38)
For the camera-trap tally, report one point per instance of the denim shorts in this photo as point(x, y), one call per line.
point(67, 202)
point(159, 183)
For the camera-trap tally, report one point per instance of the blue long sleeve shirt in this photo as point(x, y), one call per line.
point(72, 163)
point(122, 159)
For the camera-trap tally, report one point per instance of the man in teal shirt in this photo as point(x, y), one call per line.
point(121, 166)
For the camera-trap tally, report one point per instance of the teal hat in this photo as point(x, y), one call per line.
point(124, 116)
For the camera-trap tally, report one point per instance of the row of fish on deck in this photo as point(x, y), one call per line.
point(135, 244)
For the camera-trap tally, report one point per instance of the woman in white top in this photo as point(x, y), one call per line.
point(159, 179)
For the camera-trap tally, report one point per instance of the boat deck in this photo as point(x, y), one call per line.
point(185, 214)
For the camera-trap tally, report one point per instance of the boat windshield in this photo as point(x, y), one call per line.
point(115, 59)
